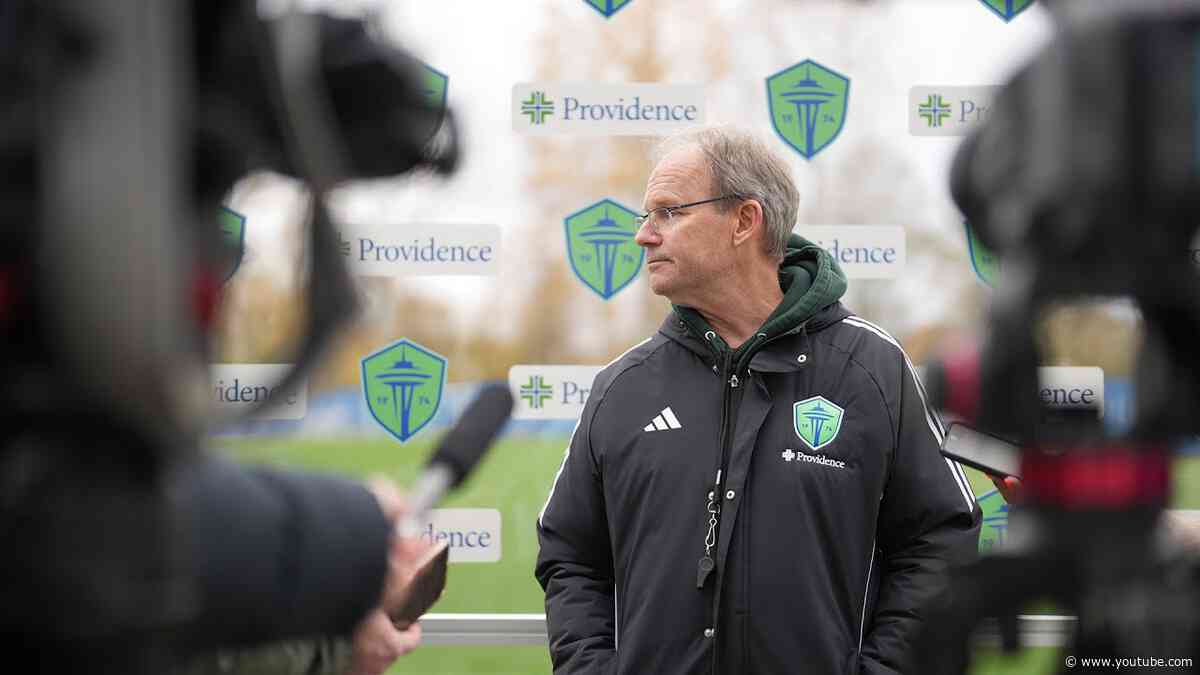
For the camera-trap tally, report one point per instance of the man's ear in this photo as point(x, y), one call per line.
point(749, 223)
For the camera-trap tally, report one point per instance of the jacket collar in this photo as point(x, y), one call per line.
point(780, 355)
point(810, 280)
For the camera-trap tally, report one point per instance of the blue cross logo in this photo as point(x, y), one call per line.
point(536, 391)
point(537, 107)
point(934, 111)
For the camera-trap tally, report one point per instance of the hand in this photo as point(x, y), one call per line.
point(404, 552)
point(377, 644)
point(391, 500)
point(1009, 487)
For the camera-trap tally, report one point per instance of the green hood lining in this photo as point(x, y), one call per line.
point(811, 280)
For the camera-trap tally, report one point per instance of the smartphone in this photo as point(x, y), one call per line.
point(976, 449)
point(426, 586)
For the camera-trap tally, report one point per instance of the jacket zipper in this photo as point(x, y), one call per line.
point(730, 400)
point(707, 564)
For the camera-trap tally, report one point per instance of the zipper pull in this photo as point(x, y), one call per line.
point(733, 381)
point(707, 564)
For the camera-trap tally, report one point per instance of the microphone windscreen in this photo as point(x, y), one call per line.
point(462, 447)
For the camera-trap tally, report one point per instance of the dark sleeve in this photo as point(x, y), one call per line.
point(318, 656)
point(574, 564)
point(273, 555)
point(928, 521)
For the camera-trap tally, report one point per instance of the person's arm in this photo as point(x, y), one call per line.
point(574, 564)
point(318, 656)
point(375, 645)
point(373, 648)
point(273, 555)
point(928, 521)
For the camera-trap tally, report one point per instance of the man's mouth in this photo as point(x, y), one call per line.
point(655, 260)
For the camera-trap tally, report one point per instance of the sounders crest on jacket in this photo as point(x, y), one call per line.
point(817, 421)
point(403, 384)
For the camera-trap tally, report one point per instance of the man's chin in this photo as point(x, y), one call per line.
point(659, 285)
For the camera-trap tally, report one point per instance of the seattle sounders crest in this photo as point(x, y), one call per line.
point(403, 384)
point(233, 241)
point(608, 7)
point(1007, 9)
point(808, 106)
point(601, 248)
point(817, 420)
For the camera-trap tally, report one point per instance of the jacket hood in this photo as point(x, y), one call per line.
point(811, 280)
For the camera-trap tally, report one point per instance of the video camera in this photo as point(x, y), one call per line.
point(123, 124)
point(1086, 182)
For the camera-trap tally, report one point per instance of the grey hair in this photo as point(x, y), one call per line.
point(742, 164)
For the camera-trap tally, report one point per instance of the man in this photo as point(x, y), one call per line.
point(757, 488)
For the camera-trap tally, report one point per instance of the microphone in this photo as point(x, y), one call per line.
point(457, 454)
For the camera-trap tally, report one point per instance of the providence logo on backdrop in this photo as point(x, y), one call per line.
point(949, 110)
point(605, 108)
point(608, 7)
point(934, 110)
point(403, 385)
point(537, 108)
point(808, 106)
point(535, 392)
point(550, 392)
point(862, 251)
point(1007, 9)
point(601, 248)
point(378, 249)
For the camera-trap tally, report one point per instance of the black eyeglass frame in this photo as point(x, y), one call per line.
point(670, 210)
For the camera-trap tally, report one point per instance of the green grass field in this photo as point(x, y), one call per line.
point(515, 478)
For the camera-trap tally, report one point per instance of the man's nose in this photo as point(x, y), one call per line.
point(646, 236)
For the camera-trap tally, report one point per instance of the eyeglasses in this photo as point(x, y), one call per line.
point(664, 216)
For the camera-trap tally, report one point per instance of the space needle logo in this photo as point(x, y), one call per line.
point(817, 421)
point(601, 248)
point(403, 384)
point(808, 106)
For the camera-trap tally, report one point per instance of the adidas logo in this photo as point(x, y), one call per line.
point(663, 421)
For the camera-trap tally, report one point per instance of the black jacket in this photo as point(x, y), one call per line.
point(115, 565)
point(823, 557)
point(278, 554)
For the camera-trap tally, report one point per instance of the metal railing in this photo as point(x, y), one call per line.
point(1035, 630)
